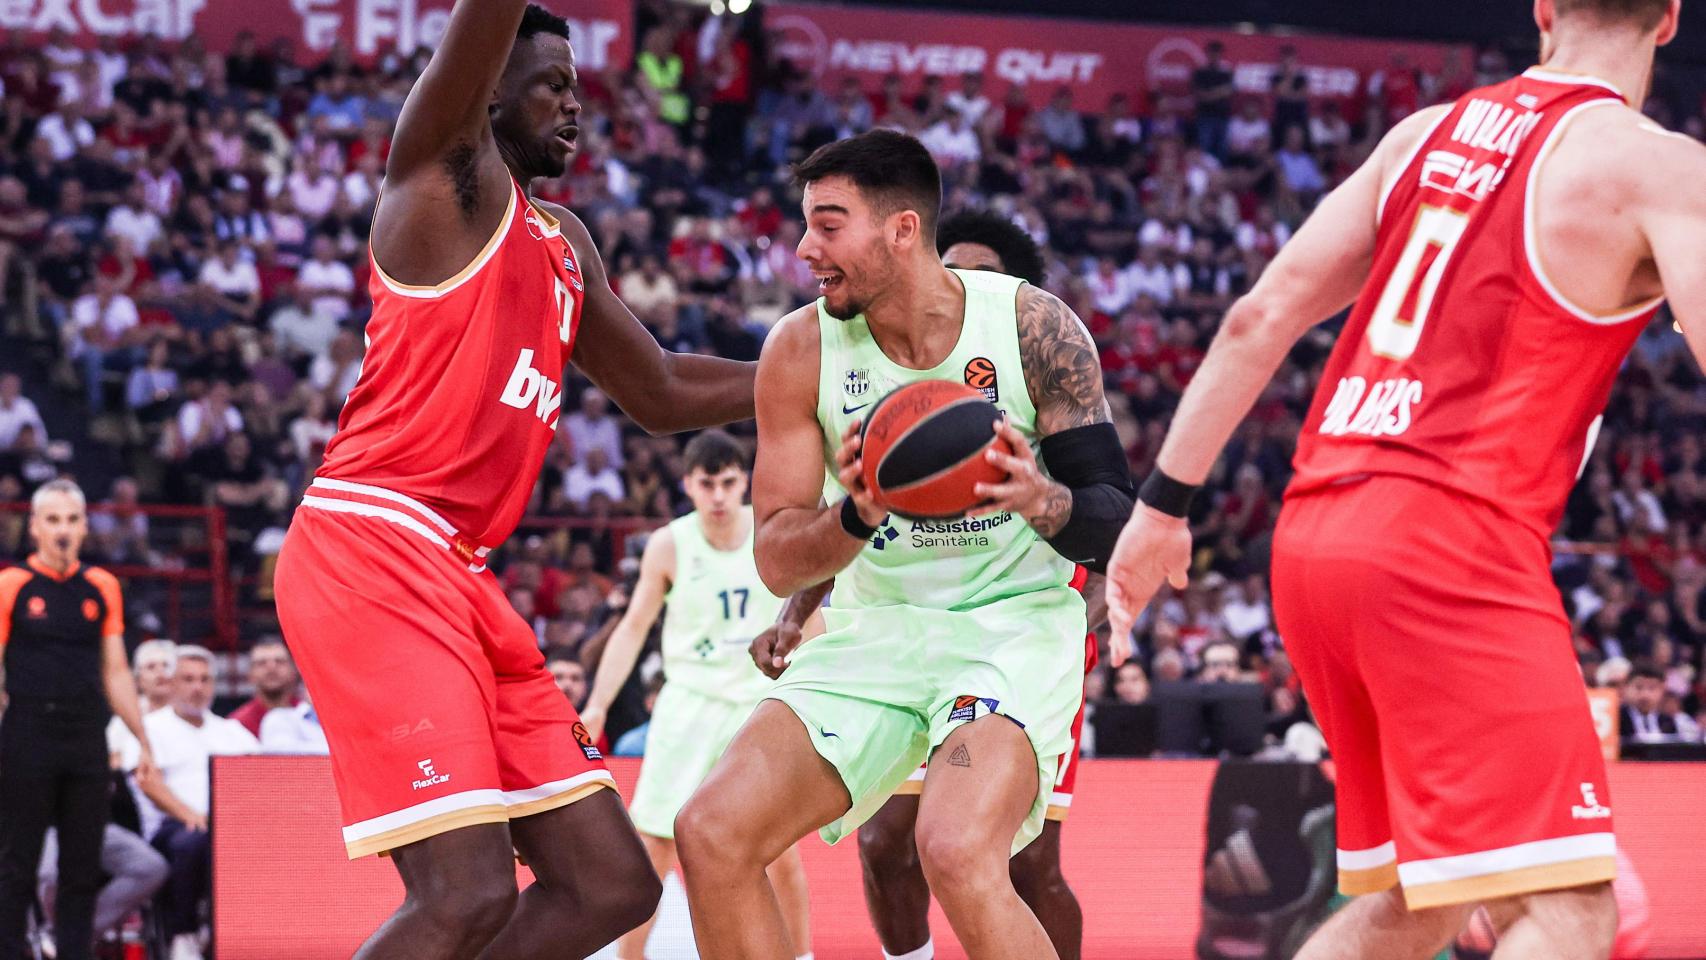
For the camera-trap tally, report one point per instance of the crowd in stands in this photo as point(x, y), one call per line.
point(183, 238)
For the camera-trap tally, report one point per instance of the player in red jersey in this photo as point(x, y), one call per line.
point(1504, 252)
point(451, 747)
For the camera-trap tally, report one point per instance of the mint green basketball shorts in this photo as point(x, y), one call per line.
point(689, 733)
point(883, 687)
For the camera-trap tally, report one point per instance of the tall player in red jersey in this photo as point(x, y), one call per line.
point(1503, 253)
point(451, 747)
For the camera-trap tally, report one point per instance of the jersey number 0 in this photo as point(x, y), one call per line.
point(1396, 326)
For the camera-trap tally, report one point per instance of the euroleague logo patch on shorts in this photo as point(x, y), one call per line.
point(965, 707)
point(980, 375)
point(584, 738)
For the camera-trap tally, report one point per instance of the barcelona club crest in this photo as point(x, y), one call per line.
point(857, 383)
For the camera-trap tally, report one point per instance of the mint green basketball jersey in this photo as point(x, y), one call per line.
point(942, 564)
point(716, 605)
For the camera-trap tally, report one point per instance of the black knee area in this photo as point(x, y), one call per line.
point(886, 849)
point(472, 907)
point(1036, 873)
point(628, 899)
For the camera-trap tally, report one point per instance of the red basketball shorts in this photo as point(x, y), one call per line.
point(432, 691)
point(1434, 652)
point(1066, 777)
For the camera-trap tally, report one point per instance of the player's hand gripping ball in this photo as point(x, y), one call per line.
point(923, 449)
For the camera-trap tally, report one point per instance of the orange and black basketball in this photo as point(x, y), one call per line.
point(924, 446)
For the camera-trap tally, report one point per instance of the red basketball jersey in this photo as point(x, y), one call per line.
point(460, 388)
point(1461, 364)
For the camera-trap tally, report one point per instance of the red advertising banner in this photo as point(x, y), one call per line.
point(1133, 850)
point(603, 29)
point(1095, 59)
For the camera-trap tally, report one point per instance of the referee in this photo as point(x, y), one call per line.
point(62, 633)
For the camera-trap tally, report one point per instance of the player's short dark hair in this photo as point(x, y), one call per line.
point(1646, 670)
point(892, 170)
point(713, 451)
point(563, 655)
point(537, 20)
point(1019, 253)
point(1647, 13)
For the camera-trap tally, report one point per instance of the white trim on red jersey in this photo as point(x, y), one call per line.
point(1571, 79)
point(465, 274)
point(1531, 231)
point(1398, 174)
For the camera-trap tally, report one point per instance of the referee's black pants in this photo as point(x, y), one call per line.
point(53, 772)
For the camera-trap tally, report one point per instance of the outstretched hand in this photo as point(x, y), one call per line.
point(1153, 548)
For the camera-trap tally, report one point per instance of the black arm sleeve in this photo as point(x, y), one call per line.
point(1090, 462)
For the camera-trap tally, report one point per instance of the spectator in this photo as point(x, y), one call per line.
point(152, 388)
point(1131, 684)
point(301, 329)
point(1212, 89)
point(101, 335)
point(119, 529)
point(1061, 124)
point(1249, 131)
point(327, 280)
point(633, 742)
point(969, 101)
point(1219, 663)
point(569, 674)
point(17, 411)
point(337, 370)
point(1644, 716)
point(174, 805)
point(594, 427)
point(272, 674)
point(228, 287)
point(209, 420)
point(952, 142)
point(294, 730)
point(593, 474)
point(1246, 612)
point(133, 218)
point(1298, 167)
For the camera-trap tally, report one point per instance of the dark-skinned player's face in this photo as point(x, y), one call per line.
point(535, 116)
point(972, 256)
point(847, 245)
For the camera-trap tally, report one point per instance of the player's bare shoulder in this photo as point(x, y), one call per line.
point(788, 363)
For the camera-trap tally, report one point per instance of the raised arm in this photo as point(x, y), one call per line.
point(1673, 222)
point(657, 569)
point(447, 109)
point(663, 392)
point(1078, 505)
point(799, 541)
point(1316, 275)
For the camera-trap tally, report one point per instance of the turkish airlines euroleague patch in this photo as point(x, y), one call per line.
point(980, 374)
point(585, 740)
point(965, 707)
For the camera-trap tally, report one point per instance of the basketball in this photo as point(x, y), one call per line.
point(924, 447)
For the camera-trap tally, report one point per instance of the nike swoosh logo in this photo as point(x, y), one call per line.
point(845, 409)
point(826, 734)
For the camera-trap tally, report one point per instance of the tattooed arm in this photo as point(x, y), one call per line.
point(1078, 505)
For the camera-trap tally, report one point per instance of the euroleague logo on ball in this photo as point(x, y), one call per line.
point(980, 375)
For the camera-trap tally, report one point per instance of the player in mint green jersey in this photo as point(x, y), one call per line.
point(702, 567)
point(961, 641)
